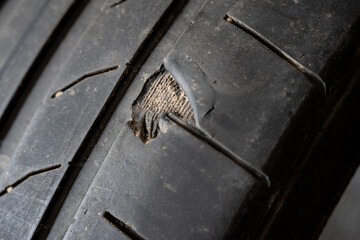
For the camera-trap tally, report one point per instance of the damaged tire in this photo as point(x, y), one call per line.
point(168, 119)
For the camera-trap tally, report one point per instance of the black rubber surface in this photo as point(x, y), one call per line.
point(272, 84)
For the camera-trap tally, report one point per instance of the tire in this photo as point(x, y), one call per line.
point(176, 119)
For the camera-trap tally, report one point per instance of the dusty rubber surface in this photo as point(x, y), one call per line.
point(260, 118)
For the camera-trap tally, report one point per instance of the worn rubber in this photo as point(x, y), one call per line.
point(268, 148)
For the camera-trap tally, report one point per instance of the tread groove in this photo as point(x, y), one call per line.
point(2, 3)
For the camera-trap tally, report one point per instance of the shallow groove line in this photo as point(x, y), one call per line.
point(141, 55)
point(9, 188)
point(313, 77)
point(117, 3)
point(39, 64)
point(85, 76)
point(123, 227)
point(204, 136)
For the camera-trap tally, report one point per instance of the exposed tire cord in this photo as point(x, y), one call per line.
point(139, 58)
point(39, 65)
